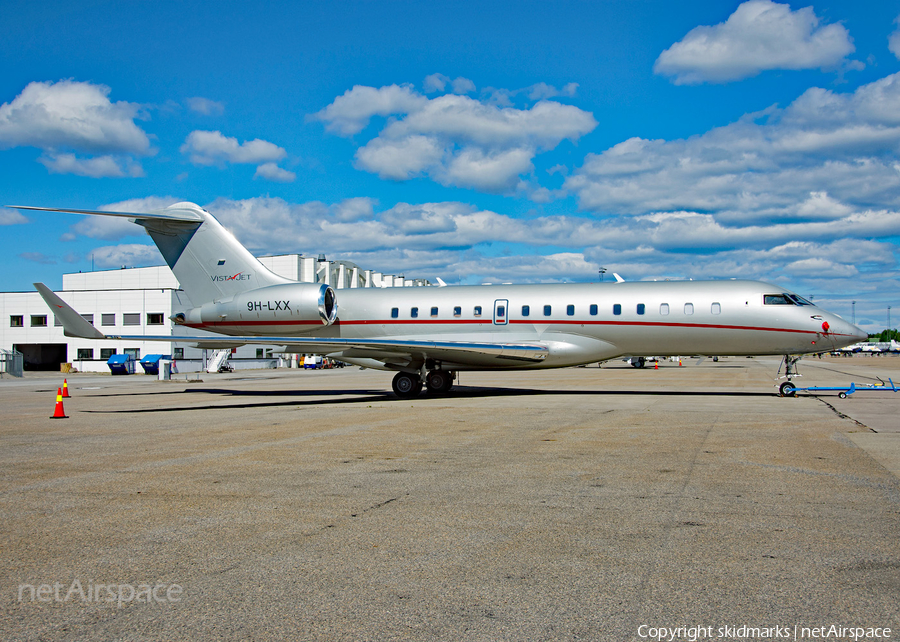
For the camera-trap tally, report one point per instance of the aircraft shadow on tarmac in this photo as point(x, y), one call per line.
point(267, 397)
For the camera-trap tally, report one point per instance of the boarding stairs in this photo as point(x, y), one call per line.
point(218, 362)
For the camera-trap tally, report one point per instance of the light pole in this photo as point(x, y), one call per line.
point(889, 318)
point(853, 312)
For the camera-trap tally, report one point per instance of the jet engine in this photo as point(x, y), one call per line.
point(294, 303)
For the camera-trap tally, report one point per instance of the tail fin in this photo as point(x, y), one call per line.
point(209, 263)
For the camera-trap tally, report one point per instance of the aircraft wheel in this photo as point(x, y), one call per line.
point(788, 389)
point(842, 395)
point(406, 385)
point(638, 362)
point(439, 381)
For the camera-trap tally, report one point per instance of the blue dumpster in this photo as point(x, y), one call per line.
point(120, 364)
point(150, 363)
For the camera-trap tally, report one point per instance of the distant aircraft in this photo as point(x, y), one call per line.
point(427, 334)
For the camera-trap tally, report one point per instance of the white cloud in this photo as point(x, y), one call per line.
point(71, 115)
point(439, 82)
point(271, 172)
point(11, 217)
point(212, 148)
point(894, 39)
point(762, 167)
point(205, 106)
point(129, 254)
point(351, 112)
point(760, 35)
point(112, 228)
point(455, 140)
point(94, 167)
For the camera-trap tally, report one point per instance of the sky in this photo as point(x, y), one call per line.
point(476, 142)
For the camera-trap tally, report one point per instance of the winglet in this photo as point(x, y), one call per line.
point(74, 325)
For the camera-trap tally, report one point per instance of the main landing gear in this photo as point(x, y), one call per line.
point(407, 385)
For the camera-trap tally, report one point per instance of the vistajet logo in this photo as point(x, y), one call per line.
point(240, 276)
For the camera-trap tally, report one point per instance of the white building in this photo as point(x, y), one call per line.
point(140, 301)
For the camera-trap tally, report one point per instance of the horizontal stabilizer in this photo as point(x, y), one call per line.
point(168, 214)
point(74, 325)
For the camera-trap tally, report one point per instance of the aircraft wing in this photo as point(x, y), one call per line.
point(74, 325)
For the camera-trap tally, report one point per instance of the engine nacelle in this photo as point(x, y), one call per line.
point(292, 303)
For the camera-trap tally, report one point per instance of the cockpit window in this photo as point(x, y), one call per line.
point(799, 300)
point(776, 299)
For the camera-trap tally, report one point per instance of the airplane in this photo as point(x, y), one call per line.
point(428, 334)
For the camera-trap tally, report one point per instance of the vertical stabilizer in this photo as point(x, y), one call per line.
point(208, 261)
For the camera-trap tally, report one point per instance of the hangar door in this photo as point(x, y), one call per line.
point(42, 356)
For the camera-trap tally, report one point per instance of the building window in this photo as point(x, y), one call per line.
point(414, 312)
point(106, 353)
point(526, 310)
point(716, 308)
point(477, 310)
point(259, 353)
point(689, 308)
point(593, 309)
point(131, 318)
point(89, 318)
point(155, 318)
point(395, 312)
point(38, 320)
point(16, 321)
point(108, 318)
point(570, 310)
point(548, 310)
point(178, 353)
point(134, 352)
point(56, 322)
point(617, 309)
point(641, 308)
point(457, 311)
point(664, 309)
point(434, 312)
point(86, 354)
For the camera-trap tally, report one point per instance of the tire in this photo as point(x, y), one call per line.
point(842, 395)
point(406, 385)
point(788, 389)
point(439, 381)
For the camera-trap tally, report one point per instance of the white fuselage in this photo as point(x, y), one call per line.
point(581, 323)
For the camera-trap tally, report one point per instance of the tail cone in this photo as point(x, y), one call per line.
point(59, 412)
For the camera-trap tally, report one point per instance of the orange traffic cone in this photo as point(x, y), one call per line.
point(59, 412)
point(679, 362)
point(657, 366)
point(65, 390)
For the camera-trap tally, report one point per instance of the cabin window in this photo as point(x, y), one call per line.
point(664, 309)
point(395, 312)
point(548, 310)
point(16, 321)
point(501, 311)
point(85, 353)
point(716, 308)
point(477, 310)
point(526, 310)
point(776, 299)
point(570, 310)
point(414, 313)
point(593, 309)
point(38, 320)
point(131, 318)
point(434, 312)
point(617, 309)
point(641, 308)
point(457, 311)
point(689, 308)
point(108, 318)
point(106, 353)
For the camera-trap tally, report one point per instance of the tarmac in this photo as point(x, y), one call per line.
point(608, 503)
